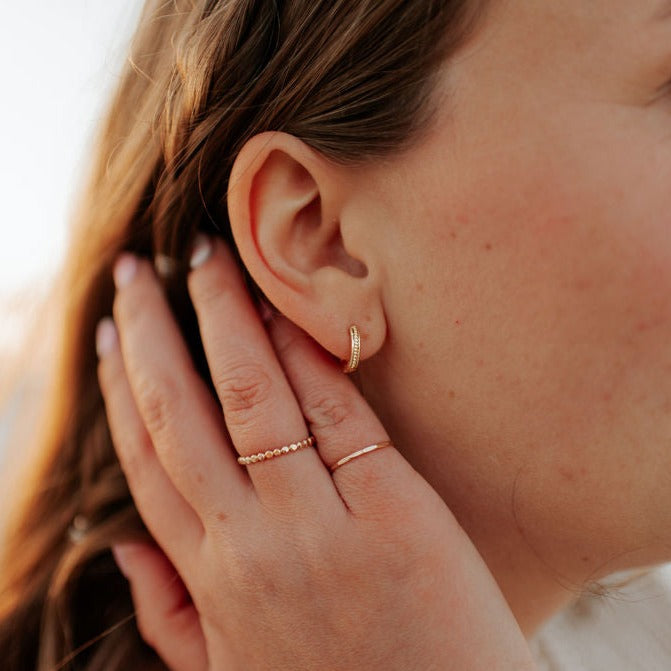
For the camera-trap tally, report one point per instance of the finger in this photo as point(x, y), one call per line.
point(169, 518)
point(260, 408)
point(166, 618)
point(183, 419)
point(340, 418)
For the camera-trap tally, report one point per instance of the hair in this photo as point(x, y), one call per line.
point(352, 79)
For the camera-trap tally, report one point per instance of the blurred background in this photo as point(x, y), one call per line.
point(58, 63)
point(59, 60)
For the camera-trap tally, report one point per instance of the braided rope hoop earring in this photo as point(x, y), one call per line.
point(355, 350)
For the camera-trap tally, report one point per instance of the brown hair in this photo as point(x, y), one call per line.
point(351, 78)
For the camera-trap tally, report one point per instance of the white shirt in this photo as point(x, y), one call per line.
point(627, 629)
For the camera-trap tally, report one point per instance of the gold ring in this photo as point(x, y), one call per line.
point(358, 453)
point(277, 452)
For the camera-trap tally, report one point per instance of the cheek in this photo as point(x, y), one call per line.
point(547, 285)
point(541, 252)
point(594, 243)
point(570, 284)
point(570, 245)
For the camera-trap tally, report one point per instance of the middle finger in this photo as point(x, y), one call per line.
point(260, 408)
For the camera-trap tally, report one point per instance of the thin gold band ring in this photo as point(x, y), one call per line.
point(358, 453)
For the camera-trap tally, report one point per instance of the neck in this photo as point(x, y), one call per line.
point(534, 589)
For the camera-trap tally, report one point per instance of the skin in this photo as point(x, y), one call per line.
point(539, 403)
point(284, 564)
point(530, 229)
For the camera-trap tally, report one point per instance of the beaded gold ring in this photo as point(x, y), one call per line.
point(277, 452)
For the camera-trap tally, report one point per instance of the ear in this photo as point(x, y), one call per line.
point(301, 236)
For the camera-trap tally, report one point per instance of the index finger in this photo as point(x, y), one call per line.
point(260, 409)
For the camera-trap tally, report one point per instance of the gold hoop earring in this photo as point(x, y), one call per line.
point(355, 350)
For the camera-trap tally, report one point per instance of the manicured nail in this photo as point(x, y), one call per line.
point(106, 336)
point(202, 250)
point(165, 266)
point(124, 269)
point(121, 554)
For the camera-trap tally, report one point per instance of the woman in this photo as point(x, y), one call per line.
point(481, 187)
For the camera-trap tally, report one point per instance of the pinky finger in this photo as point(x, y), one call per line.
point(166, 618)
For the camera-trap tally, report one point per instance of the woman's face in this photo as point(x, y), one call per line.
point(527, 373)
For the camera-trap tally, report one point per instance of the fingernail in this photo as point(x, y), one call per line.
point(123, 555)
point(124, 269)
point(106, 336)
point(165, 266)
point(202, 250)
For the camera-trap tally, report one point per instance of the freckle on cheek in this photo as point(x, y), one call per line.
point(583, 285)
point(566, 473)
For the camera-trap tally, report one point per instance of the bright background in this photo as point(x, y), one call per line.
point(59, 60)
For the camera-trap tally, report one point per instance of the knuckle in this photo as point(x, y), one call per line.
point(158, 400)
point(243, 388)
point(327, 410)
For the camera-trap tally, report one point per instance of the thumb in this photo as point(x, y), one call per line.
point(166, 618)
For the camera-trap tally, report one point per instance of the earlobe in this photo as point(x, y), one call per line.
point(286, 206)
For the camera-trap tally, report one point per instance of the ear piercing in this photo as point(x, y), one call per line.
point(355, 350)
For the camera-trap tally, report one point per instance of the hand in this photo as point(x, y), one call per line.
point(281, 564)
